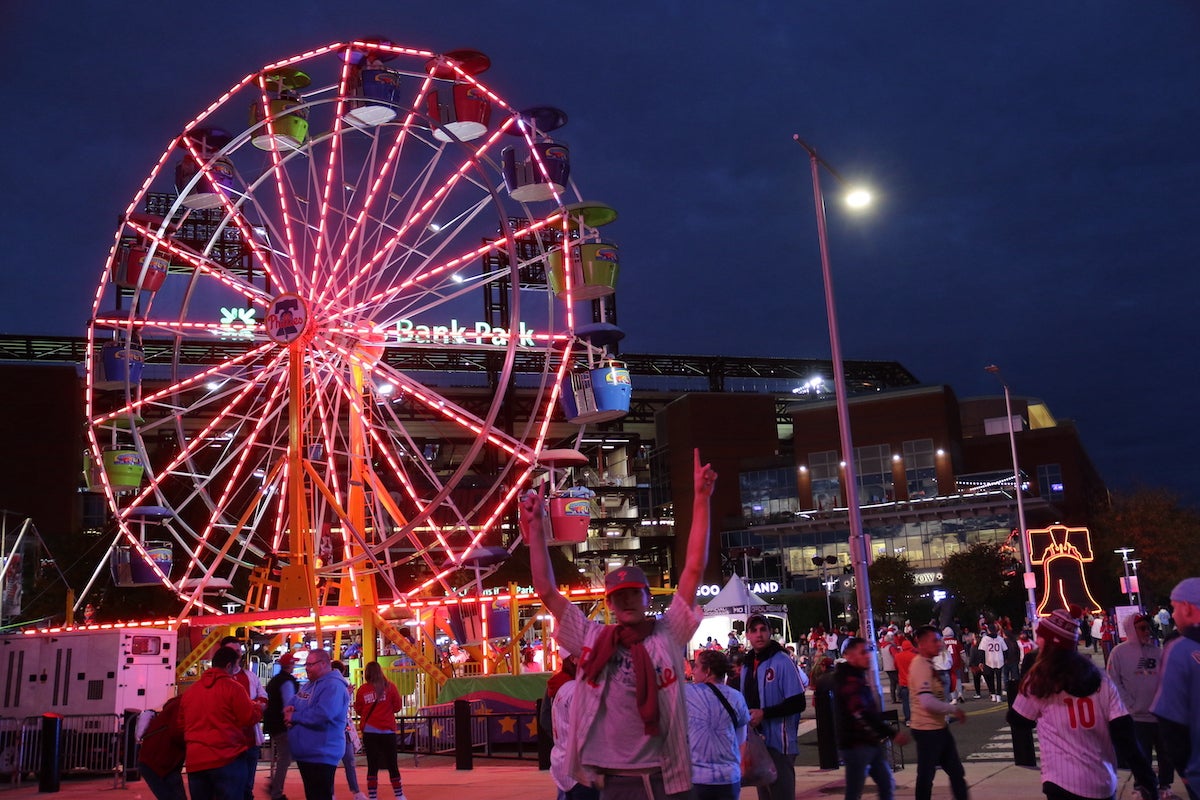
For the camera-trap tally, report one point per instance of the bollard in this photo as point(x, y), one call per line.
point(462, 735)
point(545, 738)
point(129, 740)
point(827, 754)
point(49, 772)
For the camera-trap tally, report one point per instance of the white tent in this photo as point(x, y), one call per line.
point(735, 603)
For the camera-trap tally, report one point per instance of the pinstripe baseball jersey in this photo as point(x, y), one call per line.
point(1077, 751)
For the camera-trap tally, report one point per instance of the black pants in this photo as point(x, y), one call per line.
point(1149, 737)
point(381, 754)
point(318, 779)
point(1055, 792)
point(937, 749)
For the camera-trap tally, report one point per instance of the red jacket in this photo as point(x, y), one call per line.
point(213, 715)
point(377, 712)
point(904, 660)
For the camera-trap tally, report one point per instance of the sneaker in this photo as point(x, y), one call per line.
point(401, 796)
point(1165, 793)
point(359, 796)
point(977, 695)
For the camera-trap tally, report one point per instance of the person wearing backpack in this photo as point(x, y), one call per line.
point(161, 753)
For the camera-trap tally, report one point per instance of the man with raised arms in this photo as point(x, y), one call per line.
point(628, 730)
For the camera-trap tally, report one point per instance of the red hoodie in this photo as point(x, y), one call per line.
point(213, 714)
point(904, 660)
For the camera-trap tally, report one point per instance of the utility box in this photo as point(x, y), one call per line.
point(86, 671)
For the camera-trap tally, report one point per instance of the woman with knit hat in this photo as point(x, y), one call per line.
point(1080, 720)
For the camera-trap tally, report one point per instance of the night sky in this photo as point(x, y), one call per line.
point(1035, 166)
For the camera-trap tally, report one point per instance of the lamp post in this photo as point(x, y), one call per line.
point(824, 564)
point(1137, 586)
point(1124, 553)
point(859, 548)
point(1023, 536)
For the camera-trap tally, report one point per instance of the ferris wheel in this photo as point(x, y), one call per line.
point(267, 400)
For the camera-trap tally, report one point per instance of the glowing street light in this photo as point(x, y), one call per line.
point(859, 548)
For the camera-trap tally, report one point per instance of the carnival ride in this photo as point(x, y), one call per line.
point(328, 212)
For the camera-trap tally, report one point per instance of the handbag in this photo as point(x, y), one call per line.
point(758, 768)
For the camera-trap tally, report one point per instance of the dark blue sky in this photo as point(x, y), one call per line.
point(1036, 167)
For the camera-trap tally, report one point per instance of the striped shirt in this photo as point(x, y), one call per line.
point(586, 757)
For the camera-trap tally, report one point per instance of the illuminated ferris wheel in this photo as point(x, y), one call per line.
point(266, 372)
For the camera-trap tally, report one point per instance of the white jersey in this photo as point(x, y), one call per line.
point(993, 648)
point(1077, 751)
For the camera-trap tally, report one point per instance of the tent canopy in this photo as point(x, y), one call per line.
point(735, 603)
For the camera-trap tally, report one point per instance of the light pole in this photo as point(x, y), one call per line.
point(1137, 586)
point(1124, 553)
point(859, 548)
point(1023, 535)
point(824, 564)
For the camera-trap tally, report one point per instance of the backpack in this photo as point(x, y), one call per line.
point(162, 741)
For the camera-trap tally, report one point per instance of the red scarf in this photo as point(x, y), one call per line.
point(567, 673)
point(630, 637)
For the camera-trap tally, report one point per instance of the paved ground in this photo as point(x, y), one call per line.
point(437, 779)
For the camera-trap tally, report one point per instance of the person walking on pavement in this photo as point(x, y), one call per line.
point(317, 726)
point(353, 742)
point(377, 702)
point(1177, 705)
point(774, 691)
point(161, 753)
point(281, 692)
point(717, 720)
point(1135, 667)
point(1081, 722)
point(628, 732)
point(214, 714)
point(935, 744)
point(993, 646)
point(887, 663)
point(861, 729)
point(904, 660)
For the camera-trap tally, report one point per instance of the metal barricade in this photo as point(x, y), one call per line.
point(91, 744)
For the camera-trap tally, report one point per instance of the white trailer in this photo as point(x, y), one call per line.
point(86, 671)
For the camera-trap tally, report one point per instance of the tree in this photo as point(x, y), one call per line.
point(893, 586)
point(1165, 537)
point(986, 579)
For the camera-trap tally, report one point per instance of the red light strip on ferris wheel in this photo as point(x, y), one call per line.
point(487, 247)
point(338, 124)
point(235, 478)
point(200, 263)
point(419, 214)
point(233, 213)
point(277, 169)
point(384, 170)
point(123, 322)
point(183, 384)
point(197, 440)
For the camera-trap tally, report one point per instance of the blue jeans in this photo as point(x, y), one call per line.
point(904, 703)
point(221, 783)
point(348, 761)
point(250, 765)
point(861, 760)
point(937, 749)
point(168, 788)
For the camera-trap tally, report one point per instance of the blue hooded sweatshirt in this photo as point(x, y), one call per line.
point(318, 732)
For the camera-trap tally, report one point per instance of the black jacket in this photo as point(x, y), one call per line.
point(856, 715)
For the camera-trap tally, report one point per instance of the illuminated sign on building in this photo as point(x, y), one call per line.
point(1061, 552)
point(239, 324)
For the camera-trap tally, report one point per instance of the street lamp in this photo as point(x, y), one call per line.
point(1124, 553)
point(824, 564)
point(859, 548)
point(1023, 535)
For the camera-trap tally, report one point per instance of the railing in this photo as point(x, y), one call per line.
point(465, 730)
point(90, 744)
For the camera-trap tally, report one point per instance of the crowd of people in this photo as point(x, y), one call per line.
point(631, 720)
point(216, 729)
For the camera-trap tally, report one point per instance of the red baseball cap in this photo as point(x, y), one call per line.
point(625, 577)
